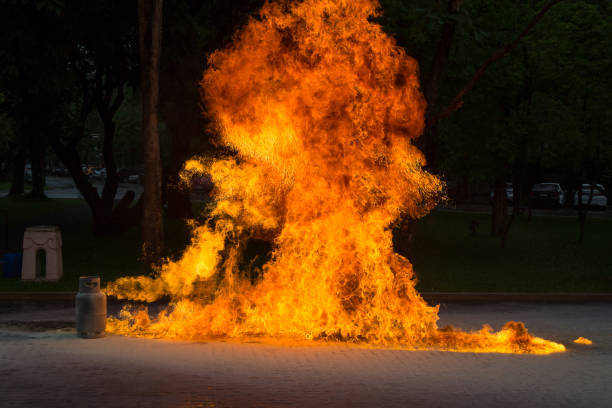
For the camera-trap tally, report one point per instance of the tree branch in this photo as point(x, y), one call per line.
point(116, 104)
point(497, 55)
point(86, 106)
point(440, 60)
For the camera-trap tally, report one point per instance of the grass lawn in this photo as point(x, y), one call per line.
point(540, 256)
point(6, 186)
point(84, 253)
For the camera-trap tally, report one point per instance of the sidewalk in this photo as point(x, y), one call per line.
point(64, 187)
point(54, 368)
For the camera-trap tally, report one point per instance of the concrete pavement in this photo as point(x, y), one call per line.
point(53, 368)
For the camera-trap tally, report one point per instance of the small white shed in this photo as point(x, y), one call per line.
point(42, 253)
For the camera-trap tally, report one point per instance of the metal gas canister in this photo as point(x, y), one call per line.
point(90, 308)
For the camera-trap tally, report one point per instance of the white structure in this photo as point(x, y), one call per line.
point(42, 253)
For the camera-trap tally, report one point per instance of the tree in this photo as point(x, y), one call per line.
point(103, 64)
point(192, 30)
point(149, 24)
point(12, 161)
point(541, 115)
point(26, 30)
point(89, 54)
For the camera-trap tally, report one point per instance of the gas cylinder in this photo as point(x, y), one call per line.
point(90, 308)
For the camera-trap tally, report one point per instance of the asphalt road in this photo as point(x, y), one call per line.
point(64, 187)
point(52, 368)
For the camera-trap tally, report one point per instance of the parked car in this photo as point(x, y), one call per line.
point(547, 195)
point(123, 174)
point(129, 175)
point(509, 194)
point(27, 173)
point(87, 170)
point(60, 172)
point(99, 174)
point(599, 199)
point(135, 178)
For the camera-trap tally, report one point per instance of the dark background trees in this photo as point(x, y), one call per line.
point(70, 95)
point(192, 30)
point(66, 62)
point(539, 114)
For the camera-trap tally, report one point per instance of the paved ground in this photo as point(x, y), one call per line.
point(64, 187)
point(52, 368)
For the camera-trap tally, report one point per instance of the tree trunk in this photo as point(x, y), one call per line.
point(103, 212)
point(37, 161)
point(150, 16)
point(112, 180)
point(516, 208)
point(70, 159)
point(582, 211)
point(403, 236)
point(517, 196)
point(499, 216)
point(457, 101)
point(17, 172)
point(429, 140)
point(181, 112)
point(176, 195)
point(106, 219)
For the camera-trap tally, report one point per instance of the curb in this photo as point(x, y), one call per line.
point(520, 297)
point(37, 325)
point(430, 297)
point(37, 296)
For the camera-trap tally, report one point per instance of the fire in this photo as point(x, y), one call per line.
point(583, 340)
point(322, 108)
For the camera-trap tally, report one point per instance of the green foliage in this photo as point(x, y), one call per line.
point(545, 106)
point(128, 134)
point(56, 54)
point(543, 111)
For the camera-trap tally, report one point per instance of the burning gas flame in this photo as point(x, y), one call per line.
point(322, 108)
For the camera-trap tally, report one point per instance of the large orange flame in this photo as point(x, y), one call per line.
point(322, 108)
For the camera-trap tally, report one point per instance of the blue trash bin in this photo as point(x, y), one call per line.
point(11, 267)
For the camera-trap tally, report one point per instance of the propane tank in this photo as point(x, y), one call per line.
point(90, 308)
